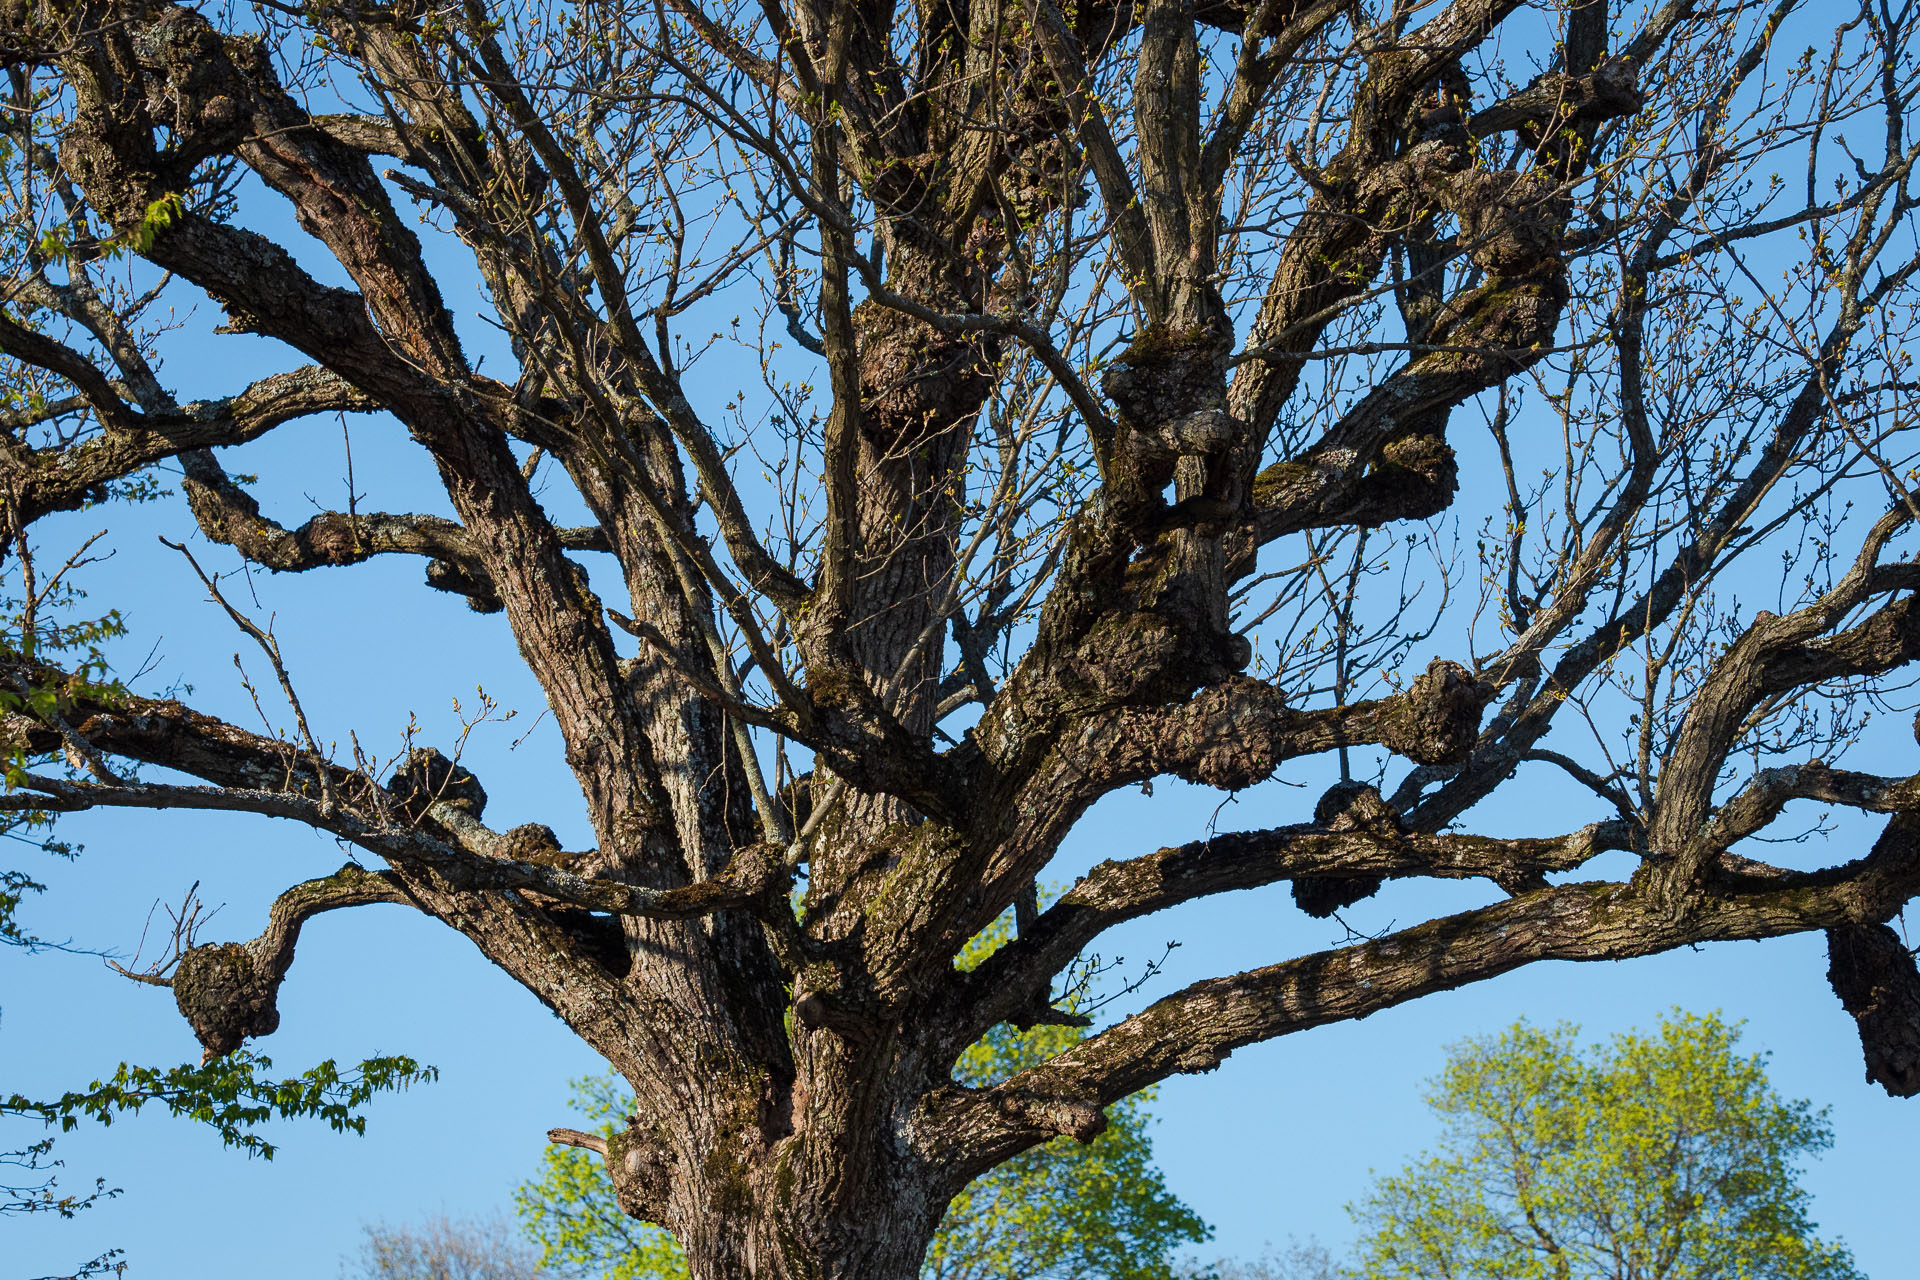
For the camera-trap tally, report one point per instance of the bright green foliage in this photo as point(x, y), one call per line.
point(231, 1095)
point(1063, 1211)
point(570, 1212)
point(14, 887)
point(1661, 1157)
point(1059, 1212)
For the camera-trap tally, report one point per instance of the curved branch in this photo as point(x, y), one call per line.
point(1777, 654)
point(31, 347)
point(49, 480)
point(1121, 890)
point(229, 991)
point(1197, 1028)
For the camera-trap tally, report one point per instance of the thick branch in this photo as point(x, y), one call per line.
point(1556, 99)
point(68, 478)
point(1761, 801)
point(1117, 891)
point(1237, 733)
point(1196, 1029)
point(1776, 655)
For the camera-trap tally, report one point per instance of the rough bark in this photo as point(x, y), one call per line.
point(1064, 421)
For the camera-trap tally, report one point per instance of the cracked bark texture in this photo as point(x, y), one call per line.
point(1104, 344)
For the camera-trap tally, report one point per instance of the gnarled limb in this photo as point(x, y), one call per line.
point(229, 991)
point(1195, 1029)
point(1872, 971)
point(1117, 891)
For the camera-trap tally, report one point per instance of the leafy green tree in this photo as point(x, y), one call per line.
point(1061, 1211)
point(570, 1209)
point(1659, 1157)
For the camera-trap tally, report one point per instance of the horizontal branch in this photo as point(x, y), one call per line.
point(1761, 801)
point(1125, 889)
point(474, 859)
point(1229, 736)
point(229, 515)
point(575, 1138)
point(1237, 733)
point(64, 479)
point(251, 773)
point(1556, 99)
point(1197, 1028)
point(369, 135)
point(163, 732)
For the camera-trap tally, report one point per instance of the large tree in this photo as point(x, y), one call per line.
point(1096, 342)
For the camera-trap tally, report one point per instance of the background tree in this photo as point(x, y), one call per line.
point(1298, 1260)
point(1660, 1157)
point(1062, 1211)
point(446, 1249)
point(1096, 345)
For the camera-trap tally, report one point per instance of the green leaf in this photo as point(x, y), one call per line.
point(233, 1095)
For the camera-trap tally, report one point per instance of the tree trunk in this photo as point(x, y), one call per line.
point(749, 1196)
point(781, 1232)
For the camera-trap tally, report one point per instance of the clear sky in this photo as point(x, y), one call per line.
point(1272, 1144)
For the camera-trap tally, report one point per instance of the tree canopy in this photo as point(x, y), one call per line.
point(1666, 1156)
point(893, 429)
